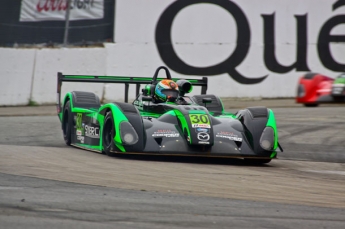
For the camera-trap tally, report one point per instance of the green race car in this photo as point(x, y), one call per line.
point(338, 87)
point(185, 125)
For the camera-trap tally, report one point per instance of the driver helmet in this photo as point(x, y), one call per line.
point(166, 90)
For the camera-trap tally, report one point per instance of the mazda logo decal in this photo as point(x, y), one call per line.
point(203, 136)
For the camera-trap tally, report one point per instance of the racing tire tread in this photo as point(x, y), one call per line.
point(108, 126)
point(67, 124)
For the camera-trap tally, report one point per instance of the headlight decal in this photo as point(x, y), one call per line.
point(267, 139)
point(128, 135)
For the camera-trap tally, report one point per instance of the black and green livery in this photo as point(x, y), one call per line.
point(197, 127)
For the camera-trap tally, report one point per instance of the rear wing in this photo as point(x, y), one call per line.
point(126, 80)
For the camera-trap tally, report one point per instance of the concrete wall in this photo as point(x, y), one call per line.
point(16, 72)
point(69, 61)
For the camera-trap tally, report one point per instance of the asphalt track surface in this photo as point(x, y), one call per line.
point(45, 184)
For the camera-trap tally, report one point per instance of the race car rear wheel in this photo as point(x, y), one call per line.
point(67, 123)
point(108, 134)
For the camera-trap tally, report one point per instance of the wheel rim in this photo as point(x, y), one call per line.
point(108, 133)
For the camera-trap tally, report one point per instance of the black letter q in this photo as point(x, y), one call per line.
point(169, 57)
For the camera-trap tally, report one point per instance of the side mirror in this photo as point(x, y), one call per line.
point(147, 98)
point(144, 91)
point(206, 101)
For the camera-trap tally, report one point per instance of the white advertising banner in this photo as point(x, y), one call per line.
point(246, 48)
point(55, 10)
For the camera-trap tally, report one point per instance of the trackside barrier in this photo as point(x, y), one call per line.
point(16, 72)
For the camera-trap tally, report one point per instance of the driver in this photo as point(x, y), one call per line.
point(166, 91)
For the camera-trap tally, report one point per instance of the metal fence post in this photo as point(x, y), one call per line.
point(68, 9)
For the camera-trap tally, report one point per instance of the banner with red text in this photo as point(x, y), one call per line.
point(55, 10)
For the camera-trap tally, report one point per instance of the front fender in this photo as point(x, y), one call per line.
point(271, 122)
point(124, 112)
point(259, 124)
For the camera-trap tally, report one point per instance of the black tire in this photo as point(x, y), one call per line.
point(253, 161)
point(108, 134)
point(67, 123)
point(311, 104)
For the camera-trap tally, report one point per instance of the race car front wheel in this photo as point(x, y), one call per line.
point(67, 123)
point(108, 134)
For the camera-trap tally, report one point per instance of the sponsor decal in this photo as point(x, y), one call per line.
point(44, 10)
point(205, 130)
point(199, 120)
point(92, 132)
point(229, 135)
point(79, 121)
point(226, 133)
point(166, 133)
point(202, 136)
point(201, 125)
point(81, 139)
point(79, 124)
point(205, 143)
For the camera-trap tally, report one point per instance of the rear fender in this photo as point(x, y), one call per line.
point(72, 97)
point(68, 96)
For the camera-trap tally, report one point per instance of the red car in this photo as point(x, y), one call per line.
point(314, 88)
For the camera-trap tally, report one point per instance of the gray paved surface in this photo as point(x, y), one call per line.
point(45, 184)
point(38, 203)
